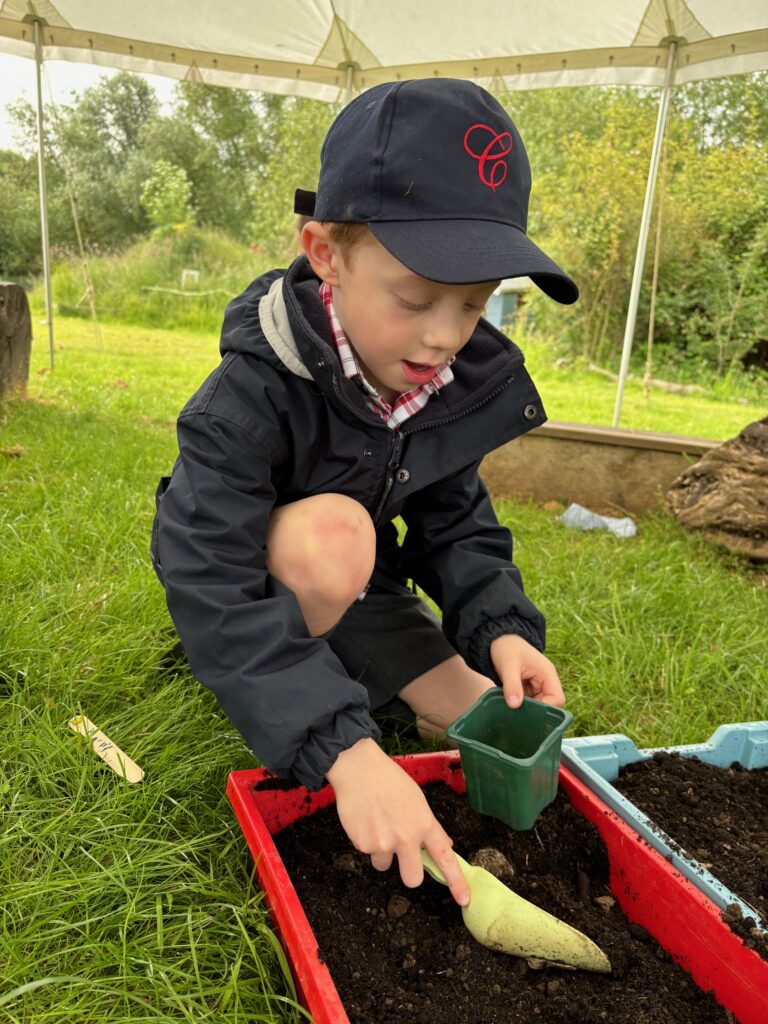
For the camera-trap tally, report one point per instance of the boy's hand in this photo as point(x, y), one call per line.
point(524, 671)
point(384, 813)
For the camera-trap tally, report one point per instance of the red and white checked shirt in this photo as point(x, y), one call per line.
point(407, 403)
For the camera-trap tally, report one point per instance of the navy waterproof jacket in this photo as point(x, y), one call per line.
point(278, 421)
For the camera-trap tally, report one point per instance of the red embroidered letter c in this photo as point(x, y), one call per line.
point(489, 160)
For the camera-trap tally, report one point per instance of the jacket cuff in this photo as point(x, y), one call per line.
point(480, 644)
point(319, 753)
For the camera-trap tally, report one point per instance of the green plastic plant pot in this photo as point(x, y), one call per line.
point(510, 756)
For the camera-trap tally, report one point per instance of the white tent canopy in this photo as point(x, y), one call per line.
point(331, 49)
point(304, 47)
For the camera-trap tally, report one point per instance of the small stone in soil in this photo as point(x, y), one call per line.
point(732, 914)
point(398, 905)
point(606, 902)
point(348, 863)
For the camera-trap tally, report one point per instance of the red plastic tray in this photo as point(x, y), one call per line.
point(649, 891)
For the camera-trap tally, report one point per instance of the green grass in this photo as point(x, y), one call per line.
point(661, 637)
point(126, 283)
point(578, 395)
point(135, 903)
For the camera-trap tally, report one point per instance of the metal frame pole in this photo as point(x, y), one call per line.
point(637, 276)
point(349, 68)
point(43, 190)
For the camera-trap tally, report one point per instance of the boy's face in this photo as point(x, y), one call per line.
point(401, 326)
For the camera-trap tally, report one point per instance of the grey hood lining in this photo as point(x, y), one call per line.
point(273, 317)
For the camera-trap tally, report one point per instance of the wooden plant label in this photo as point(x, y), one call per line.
point(109, 752)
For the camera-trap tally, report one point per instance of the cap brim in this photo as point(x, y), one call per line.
point(470, 251)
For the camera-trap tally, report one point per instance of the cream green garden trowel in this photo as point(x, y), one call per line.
point(500, 919)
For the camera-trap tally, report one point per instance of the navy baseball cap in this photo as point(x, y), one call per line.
point(439, 173)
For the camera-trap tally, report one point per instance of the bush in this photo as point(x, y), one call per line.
point(124, 284)
point(713, 262)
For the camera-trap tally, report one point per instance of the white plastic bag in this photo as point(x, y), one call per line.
point(580, 518)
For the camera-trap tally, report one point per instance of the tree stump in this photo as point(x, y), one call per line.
point(15, 338)
point(725, 494)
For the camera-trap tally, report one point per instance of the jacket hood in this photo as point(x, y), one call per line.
point(273, 318)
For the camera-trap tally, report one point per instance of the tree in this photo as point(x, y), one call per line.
point(239, 124)
point(173, 139)
point(166, 196)
point(294, 163)
point(20, 223)
point(91, 142)
point(241, 129)
point(588, 211)
point(109, 116)
point(714, 304)
point(713, 271)
point(726, 111)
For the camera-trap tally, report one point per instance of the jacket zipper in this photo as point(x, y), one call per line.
point(394, 453)
point(392, 464)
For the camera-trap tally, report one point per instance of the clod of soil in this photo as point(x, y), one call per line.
point(419, 964)
point(716, 816)
point(493, 860)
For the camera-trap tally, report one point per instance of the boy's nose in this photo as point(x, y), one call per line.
point(443, 338)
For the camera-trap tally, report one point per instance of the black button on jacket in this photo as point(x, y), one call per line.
point(278, 421)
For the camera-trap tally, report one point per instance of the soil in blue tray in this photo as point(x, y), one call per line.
point(404, 955)
point(716, 816)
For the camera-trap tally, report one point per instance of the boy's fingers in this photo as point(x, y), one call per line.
point(512, 684)
point(411, 868)
point(552, 690)
point(557, 700)
point(381, 861)
point(445, 859)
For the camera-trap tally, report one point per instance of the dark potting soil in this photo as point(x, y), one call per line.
point(398, 954)
point(718, 817)
point(272, 782)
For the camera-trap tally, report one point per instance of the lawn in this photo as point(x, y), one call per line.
point(134, 903)
point(579, 395)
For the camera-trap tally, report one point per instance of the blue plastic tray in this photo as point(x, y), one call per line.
point(597, 760)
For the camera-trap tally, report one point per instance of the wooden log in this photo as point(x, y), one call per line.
point(725, 494)
point(15, 339)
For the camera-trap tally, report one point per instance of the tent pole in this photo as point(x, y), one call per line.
point(43, 190)
point(637, 276)
point(349, 67)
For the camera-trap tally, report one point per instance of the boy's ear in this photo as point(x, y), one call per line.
point(322, 253)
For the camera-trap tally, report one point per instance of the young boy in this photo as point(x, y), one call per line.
point(358, 386)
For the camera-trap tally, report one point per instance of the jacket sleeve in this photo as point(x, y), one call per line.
point(458, 552)
point(245, 636)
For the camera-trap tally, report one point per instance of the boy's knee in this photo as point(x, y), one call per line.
point(341, 547)
point(327, 547)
